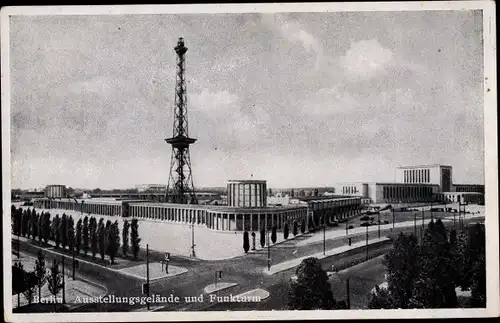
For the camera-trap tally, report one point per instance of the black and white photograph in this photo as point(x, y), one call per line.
point(250, 161)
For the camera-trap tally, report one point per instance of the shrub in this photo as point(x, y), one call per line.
point(246, 242)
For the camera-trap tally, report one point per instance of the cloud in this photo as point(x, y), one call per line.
point(365, 59)
point(213, 103)
point(296, 34)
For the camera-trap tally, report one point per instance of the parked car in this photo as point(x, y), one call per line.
point(364, 218)
point(365, 224)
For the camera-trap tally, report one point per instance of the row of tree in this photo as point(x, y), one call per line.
point(26, 282)
point(426, 274)
point(274, 229)
point(89, 234)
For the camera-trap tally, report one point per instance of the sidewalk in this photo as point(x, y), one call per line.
point(75, 289)
point(131, 271)
point(333, 234)
point(335, 251)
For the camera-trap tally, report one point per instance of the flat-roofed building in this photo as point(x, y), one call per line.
point(55, 191)
point(435, 174)
point(472, 188)
point(247, 193)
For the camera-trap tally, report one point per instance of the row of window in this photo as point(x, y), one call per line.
point(417, 175)
point(349, 190)
point(474, 189)
point(405, 192)
point(246, 195)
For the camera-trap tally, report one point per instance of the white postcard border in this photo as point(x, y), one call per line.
point(490, 139)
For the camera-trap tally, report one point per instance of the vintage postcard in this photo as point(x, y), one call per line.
point(250, 161)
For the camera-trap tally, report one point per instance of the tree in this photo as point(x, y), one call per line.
point(13, 218)
point(478, 287)
point(295, 229)
point(134, 238)
point(253, 240)
point(56, 229)
point(435, 287)
point(93, 236)
point(402, 269)
point(18, 282)
point(125, 238)
point(286, 231)
point(101, 238)
point(54, 280)
point(46, 227)
point(273, 234)
point(71, 233)
point(311, 290)
point(85, 235)
point(78, 237)
point(380, 299)
point(113, 241)
point(25, 222)
point(246, 242)
point(31, 282)
point(40, 227)
point(40, 272)
point(262, 237)
point(63, 231)
point(303, 226)
point(33, 223)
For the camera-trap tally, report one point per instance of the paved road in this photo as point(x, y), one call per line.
point(245, 270)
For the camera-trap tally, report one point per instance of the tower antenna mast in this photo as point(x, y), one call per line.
point(180, 188)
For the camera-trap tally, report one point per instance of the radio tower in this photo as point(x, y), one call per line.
point(180, 182)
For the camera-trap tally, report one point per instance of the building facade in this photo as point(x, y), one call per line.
point(463, 197)
point(388, 192)
point(472, 188)
point(151, 188)
point(221, 218)
point(55, 191)
point(328, 209)
point(247, 193)
point(440, 175)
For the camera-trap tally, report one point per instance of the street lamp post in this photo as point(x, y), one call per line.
point(193, 254)
point(324, 235)
point(366, 242)
point(379, 224)
point(415, 224)
point(63, 283)
point(268, 251)
point(392, 210)
point(423, 220)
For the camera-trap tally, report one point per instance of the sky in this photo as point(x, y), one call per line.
point(297, 99)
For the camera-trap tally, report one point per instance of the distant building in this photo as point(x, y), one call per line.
point(246, 193)
point(436, 174)
point(471, 188)
point(151, 187)
point(55, 191)
point(414, 184)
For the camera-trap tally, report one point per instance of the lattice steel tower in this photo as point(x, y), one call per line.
point(180, 187)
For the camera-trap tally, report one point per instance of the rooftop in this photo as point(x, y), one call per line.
point(222, 208)
point(246, 181)
point(424, 166)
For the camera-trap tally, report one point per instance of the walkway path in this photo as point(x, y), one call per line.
point(332, 234)
point(335, 251)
